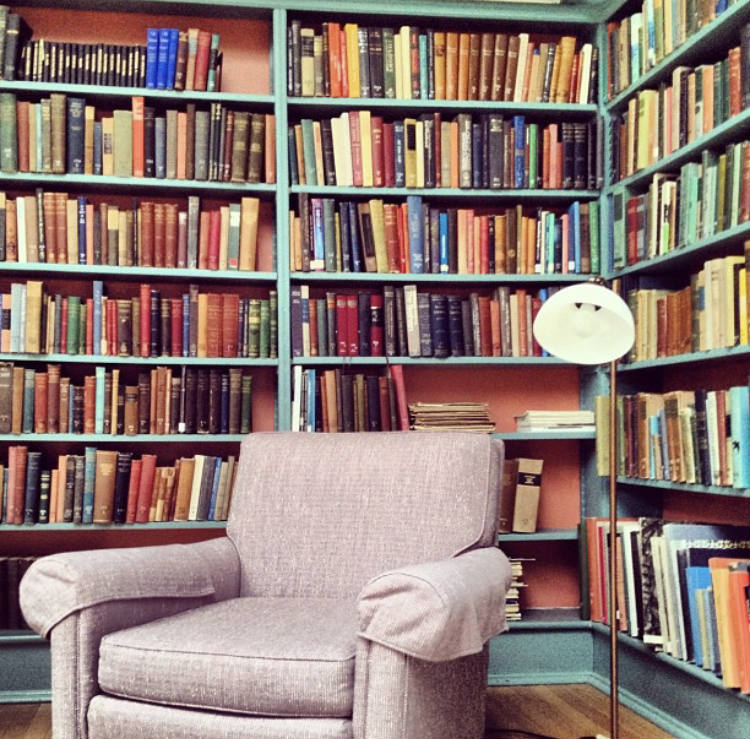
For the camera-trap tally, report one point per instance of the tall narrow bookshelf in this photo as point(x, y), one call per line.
point(555, 641)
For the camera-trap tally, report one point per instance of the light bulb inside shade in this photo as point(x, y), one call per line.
point(585, 324)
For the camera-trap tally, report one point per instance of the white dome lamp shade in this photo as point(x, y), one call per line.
point(585, 324)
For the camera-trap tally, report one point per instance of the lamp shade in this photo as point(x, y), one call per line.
point(585, 324)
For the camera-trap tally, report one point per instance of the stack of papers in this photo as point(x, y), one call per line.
point(451, 417)
point(555, 420)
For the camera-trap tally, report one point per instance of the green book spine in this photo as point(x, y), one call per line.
point(273, 321)
point(89, 477)
point(74, 308)
point(8, 136)
point(265, 329)
point(308, 147)
point(389, 64)
point(594, 241)
point(533, 134)
point(233, 249)
point(329, 235)
point(253, 343)
point(246, 405)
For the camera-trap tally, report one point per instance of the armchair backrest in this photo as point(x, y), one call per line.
point(318, 515)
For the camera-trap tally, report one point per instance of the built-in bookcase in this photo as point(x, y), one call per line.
point(556, 641)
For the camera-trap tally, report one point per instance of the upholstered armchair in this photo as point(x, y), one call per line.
point(353, 596)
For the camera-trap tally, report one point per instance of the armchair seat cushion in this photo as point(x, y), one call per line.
point(264, 656)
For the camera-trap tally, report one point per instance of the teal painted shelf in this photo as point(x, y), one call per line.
point(569, 110)
point(714, 355)
point(727, 131)
point(687, 667)
point(541, 535)
point(68, 181)
point(121, 438)
point(571, 434)
point(344, 361)
point(19, 636)
point(531, 196)
point(534, 619)
point(99, 359)
point(687, 255)
point(37, 527)
point(692, 52)
point(158, 273)
point(447, 278)
point(722, 490)
point(108, 91)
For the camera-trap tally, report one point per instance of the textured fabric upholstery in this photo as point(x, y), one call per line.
point(438, 611)
point(358, 505)
point(272, 656)
point(113, 718)
point(61, 584)
point(352, 597)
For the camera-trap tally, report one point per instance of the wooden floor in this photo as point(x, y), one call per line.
point(565, 711)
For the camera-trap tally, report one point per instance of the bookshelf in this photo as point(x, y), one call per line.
point(556, 641)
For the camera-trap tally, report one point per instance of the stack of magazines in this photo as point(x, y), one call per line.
point(555, 420)
point(465, 416)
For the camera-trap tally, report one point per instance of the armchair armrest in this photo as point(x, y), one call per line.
point(61, 584)
point(438, 611)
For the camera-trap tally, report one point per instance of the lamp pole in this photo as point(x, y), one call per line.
point(614, 706)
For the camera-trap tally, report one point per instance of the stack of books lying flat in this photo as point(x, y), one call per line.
point(466, 416)
point(512, 597)
point(555, 420)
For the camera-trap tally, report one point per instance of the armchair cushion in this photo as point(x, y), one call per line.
point(61, 584)
point(438, 611)
point(264, 656)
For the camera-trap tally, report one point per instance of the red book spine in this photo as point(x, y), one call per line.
point(90, 326)
point(389, 171)
point(176, 337)
point(342, 326)
point(397, 373)
point(632, 229)
point(159, 229)
point(170, 235)
point(22, 117)
point(145, 487)
point(201, 60)
point(334, 58)
point(147, 234)
point(378, 159)
point(138, 137)
point(145, 320)
point(214, 240)
point(134, 483)
point(344, 62)
point(112, 328)
point(384, 397)
point(352, 332)
point(376, 325)
point(19, 489)
point(402, 245)
point(484, 244)
point(536, 304)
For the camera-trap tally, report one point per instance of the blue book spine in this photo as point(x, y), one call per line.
point(28, 402)
point(423, 64)
point(98, 291)
point(71, 393)
point(162, 59)
point(443, 236)
point(739, 407)
point(160, 147)
point(174, 35)
point(214, 489)
point(99, 404)
point(81, 229)
point(653, 430)
point(664, 450)
point(186, 325)
point(550, 241)
point(697, 578)
point(152, 56)
point(416, 233)
point(354, 236)
point(316, 205)
point(89, 477)
point(398, 154)
point(98, 147)
point(519, 159)
point(311, 400)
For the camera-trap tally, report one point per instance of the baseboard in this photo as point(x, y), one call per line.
point(535, 678)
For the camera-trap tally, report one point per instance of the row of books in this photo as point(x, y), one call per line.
point(681, 587)
point(459, 415)
point(686, 436)
point(358, 148)
point(62, 134)
point(709, 313)
point(414, 236)
point(658, 122)
point(55, 228)
point(107, 486)
point(337, 401)
point(163, 401)
point(12, 569)
point(149, 323)
point(406, 322)
point(638, 42)
point(415, 63)
point(513, 610)
point(706, 198)
point(14, 32)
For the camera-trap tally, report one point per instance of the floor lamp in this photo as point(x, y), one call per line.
point(590, 324)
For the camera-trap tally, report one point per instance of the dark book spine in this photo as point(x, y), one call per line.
point(373, 403)
point(75, 128)
point(144, 402)
point(149, 146)
point(31, 493)
point(439, 325)
point(122, 480)
point(364, 323)
point(202, 402)
point(423, 316)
